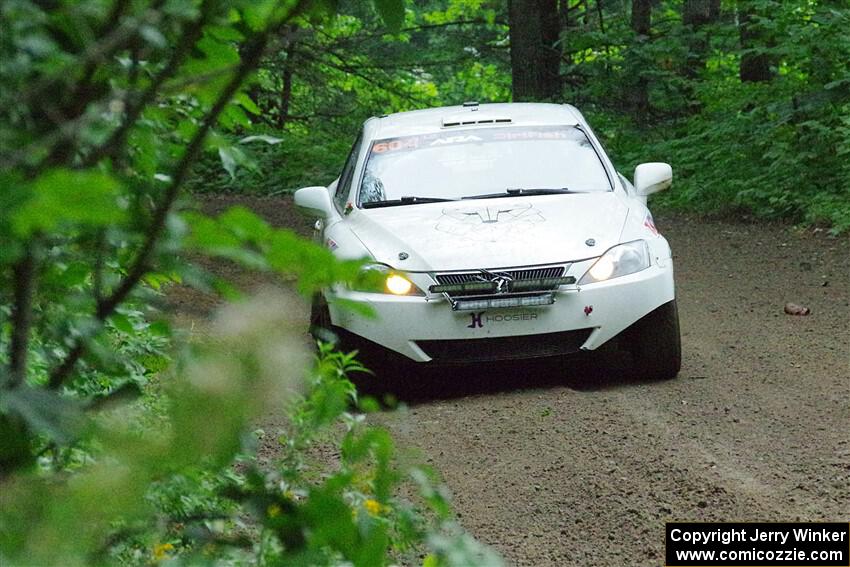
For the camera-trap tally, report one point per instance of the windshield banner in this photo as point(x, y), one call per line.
point(476, 136)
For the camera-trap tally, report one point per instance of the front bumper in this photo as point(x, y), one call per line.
point(426, 329)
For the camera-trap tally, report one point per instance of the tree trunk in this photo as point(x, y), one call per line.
point(714, 10)
point(641, 24)
point(567, 21)
point(696, 14)
point(535, 60)
point(524, 23)
point(641, 16)
point(549, 76)
point(286, 91)
point(755, 67)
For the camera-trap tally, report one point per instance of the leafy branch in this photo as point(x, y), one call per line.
point(251, 55)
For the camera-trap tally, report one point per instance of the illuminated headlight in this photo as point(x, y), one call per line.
point(621, 260)
point(378, 278)
point(397, 284)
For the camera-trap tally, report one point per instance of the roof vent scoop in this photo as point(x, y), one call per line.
point(474, 120)
point(470, 103)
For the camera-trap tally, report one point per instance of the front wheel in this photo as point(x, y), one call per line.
point(320, 320)
point(322, 329)
point(656, 345)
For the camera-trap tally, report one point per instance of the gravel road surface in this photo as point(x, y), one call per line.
point(572, 463)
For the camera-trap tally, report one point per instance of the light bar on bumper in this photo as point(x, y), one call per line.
point(539, 283)
point(463, 287)
point(534, 284)
point(502, 302)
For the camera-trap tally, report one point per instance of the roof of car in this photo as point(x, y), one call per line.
point(471, 115)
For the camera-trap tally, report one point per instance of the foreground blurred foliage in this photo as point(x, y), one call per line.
point(120, 442)
point(171, 490)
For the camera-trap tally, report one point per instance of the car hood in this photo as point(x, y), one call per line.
point(491, 233)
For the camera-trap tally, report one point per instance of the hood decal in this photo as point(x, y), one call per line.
point(491, 233)
point(489, 224)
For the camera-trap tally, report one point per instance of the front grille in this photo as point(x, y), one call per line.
point(514, 274)
point(462, 351)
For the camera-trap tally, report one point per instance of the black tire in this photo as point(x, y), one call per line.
point(320, 320)
point(656, 345)
point(322, 329)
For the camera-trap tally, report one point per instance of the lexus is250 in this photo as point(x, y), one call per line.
point(495, 232)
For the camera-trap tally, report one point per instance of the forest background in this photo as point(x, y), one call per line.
point(747, 99)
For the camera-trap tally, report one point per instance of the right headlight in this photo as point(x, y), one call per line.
point(621, 260)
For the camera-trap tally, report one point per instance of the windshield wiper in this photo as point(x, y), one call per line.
point(519, 192)
point(406, 200)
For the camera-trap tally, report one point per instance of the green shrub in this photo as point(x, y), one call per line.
point(300, 159)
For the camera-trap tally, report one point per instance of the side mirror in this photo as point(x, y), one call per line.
point(652, 177)
point(315, 201)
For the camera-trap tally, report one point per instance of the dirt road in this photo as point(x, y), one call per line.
point(572, 464)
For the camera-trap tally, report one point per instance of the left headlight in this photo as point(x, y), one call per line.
point(621, 260)
point(379, 278)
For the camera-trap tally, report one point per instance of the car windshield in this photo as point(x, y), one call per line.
point(481, 162)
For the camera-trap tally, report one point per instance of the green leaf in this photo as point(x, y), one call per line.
point(124, 393)
point(271, 140)
point(46, 412)
point(392, 12)
point(258, 12)
point(330, 520)
point(153, 36)
point(232, 158)
point(245, 223)
point(160, 328)
point(233, 117)
point(226, 289)
point(15, 450)
point(72, 275)
point(225, 33)
point(219, 54)
point(122, 323)
point(245, 102)
point(158, 279)
point(63, 196)
point(228, 161)
point(206, 234)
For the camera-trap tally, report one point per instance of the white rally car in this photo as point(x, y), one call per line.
point(498, 231)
